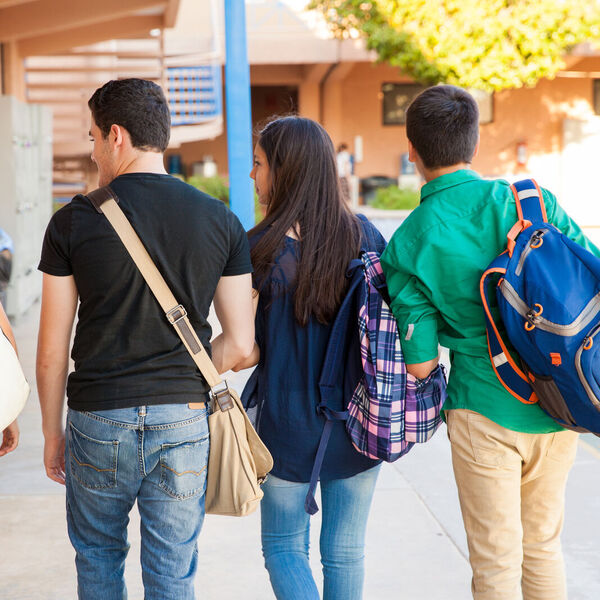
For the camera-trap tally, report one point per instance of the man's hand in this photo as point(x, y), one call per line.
point(10, 438)
point(54, 458)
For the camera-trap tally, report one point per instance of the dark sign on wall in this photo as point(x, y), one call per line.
point(397, 97)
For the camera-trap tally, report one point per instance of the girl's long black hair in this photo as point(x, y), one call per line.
point(305, 194)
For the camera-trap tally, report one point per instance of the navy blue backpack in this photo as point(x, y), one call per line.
point(548, 292)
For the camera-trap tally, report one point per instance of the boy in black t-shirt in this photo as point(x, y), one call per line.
point(134, 429)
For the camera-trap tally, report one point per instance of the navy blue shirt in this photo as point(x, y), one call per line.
point(287, 377)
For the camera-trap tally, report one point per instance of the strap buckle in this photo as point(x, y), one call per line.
point(176, 314)
point(222, 397)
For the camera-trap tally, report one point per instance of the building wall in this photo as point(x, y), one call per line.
point(348, 99)
point(267, 101)
point(531, 115)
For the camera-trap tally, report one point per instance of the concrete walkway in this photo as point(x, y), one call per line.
point(416, 547)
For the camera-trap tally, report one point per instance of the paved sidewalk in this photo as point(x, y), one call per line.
point(416, 547)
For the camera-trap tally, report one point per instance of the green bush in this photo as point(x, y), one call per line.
point(217, 187)
point(395, 198)
point(213, 186)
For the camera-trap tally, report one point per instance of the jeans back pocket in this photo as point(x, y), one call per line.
point(93, 462)
point(183, 468)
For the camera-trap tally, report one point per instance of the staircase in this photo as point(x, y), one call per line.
point(190, 77)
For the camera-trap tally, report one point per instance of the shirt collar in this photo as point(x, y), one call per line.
point(447, 181)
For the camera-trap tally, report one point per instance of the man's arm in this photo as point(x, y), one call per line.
point(251, 360)
point(234, 308)
point(59, 302)
point(10, 435)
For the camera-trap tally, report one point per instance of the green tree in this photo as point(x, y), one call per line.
point(484, 44)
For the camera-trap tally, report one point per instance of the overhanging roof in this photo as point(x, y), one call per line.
point(44, 26)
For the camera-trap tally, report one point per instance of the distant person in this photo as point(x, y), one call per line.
point(344, 166)
point(10, 435)
point(511, 460)
point(6, 257)
point(137, 429)
point(300, 253)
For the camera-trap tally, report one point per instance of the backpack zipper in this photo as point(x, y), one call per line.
point(536, 237)
point(593, 399)
point(587, 314)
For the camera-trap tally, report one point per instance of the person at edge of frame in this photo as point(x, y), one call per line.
point(10, 434)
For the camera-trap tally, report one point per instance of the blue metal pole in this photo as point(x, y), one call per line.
point(239, 120)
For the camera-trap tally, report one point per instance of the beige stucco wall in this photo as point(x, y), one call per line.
point(348, 99)
point(533, 115)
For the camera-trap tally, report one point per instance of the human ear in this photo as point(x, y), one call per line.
point(412, 153)
point(117, 134)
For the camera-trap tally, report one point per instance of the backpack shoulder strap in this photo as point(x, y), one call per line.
point(343, 327)
point(509, 374)
point(530, 209)
point(529, 201)
point(368, 240)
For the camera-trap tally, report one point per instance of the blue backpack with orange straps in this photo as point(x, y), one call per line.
point(548, 292)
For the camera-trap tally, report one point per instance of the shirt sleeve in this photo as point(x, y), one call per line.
point(415, 315)
point(566, 225)
point(55, 259)
point(239, 261)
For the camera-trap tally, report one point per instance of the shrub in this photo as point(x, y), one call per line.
point(217, 187)
point(213, 186)
point(395, 198)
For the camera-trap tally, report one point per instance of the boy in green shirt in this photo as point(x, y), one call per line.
point(510, 459)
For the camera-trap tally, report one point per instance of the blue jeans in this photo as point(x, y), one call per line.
point(156, 455)
point(285, 528)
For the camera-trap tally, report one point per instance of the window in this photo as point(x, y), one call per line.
point(397, 97)
point(485, 102)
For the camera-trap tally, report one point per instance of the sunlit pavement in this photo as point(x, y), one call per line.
point(416, 547)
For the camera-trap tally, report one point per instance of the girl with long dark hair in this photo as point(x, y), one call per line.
point(300, 253)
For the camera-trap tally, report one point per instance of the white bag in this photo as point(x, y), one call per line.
point(14, 389)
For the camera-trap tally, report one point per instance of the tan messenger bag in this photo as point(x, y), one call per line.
point(238, 461)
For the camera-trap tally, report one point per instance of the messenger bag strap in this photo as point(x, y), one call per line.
point(105, 201)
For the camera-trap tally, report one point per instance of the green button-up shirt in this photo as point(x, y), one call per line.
point(433, 265)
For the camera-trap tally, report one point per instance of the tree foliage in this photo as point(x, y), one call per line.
point(484, 44)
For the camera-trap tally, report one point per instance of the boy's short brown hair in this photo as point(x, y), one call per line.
point(442, 123)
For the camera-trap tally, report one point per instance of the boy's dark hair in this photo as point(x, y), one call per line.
point(442, 123)
point(137, 105)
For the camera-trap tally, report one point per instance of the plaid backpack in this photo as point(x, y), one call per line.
point(388, 411)
point(385, 412)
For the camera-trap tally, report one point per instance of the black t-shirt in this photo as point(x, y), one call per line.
point(125, 351)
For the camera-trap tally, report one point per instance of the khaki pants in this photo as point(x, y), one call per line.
point(511, 488)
